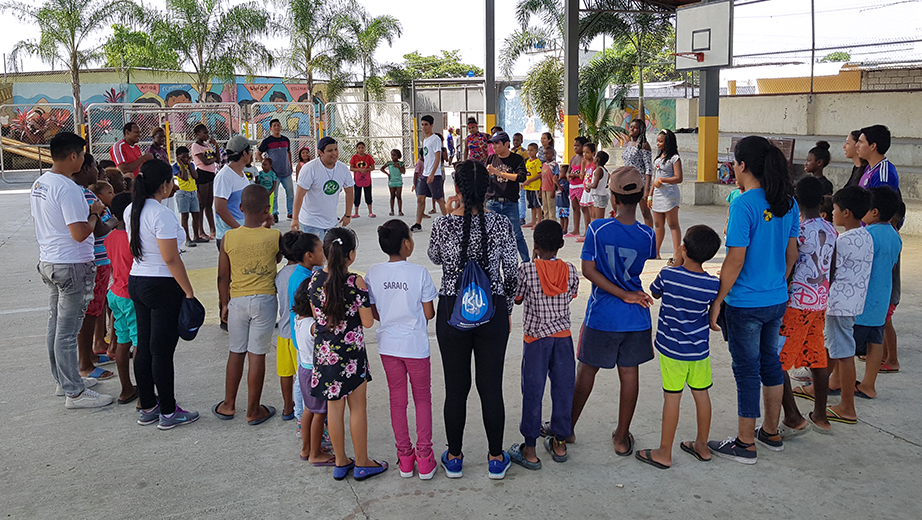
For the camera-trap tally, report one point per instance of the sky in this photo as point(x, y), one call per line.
point(761, 26)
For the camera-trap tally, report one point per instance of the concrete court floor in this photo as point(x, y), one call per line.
point(101, 464)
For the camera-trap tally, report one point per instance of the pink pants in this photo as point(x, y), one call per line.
point(397, 369)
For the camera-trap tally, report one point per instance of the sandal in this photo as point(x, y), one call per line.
point(646, 457)
point(816, 427)
point(630, 440)
point(688, 448)
point(515, 455)
point(550, 443)
point(860, 394)
point(801, 392)
point(219, 415)
point(832, 416)
point(364, 472)
point(101, 374)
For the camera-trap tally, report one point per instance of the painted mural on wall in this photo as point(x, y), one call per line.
point(659, 114)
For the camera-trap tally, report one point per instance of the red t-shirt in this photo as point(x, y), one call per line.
point(123, 153)
point(362, 161)
point(119, 253)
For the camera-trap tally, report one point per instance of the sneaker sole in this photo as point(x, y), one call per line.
point(741, 460)
point(71, 406)
point(451, 474)
point(148, 423)
point(428, 476)
point(406, 474)
point(171, 426)
point(498, 476)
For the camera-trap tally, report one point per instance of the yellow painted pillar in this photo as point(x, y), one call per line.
point(489, 123)
point(415, 144)
point(166, 130)
point(570, 132)
point(707, 148)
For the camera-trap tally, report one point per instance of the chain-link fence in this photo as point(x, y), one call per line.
point(298, 122)
point(382, 126)
point(27, 130)
point(222, 120)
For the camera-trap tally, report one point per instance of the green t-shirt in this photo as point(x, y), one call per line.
point(265, 179)
point(395, 178)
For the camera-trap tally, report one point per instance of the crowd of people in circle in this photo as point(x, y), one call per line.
point(810, 279)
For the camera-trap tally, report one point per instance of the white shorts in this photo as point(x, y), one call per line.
point(251, 323)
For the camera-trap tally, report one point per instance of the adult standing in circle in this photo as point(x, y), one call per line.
point(637, 154)
point(851, 151)
point(278, 148)
point(547, 141)
point(468, 232)
point(157, 284)
point(229, 184)
point(667, 175)
point(205, 157)
point(507, 172)
point(126, 154)
point(762, 231)
point(320, 182)
point(475, 148)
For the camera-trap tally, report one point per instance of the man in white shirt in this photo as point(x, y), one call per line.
point(431, 183)
point(319, 183)
point(64, 231)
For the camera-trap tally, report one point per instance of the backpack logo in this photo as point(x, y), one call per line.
point(473, 303)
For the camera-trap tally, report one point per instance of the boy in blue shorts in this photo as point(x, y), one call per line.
point(682, 341)
point(617, 328)
point(562, 199)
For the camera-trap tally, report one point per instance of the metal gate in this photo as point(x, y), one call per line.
point(222, 120)
point(26, 134)
point(298, 122)
point(382, 126)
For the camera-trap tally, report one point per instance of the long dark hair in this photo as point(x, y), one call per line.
point(670, 146)
point(642, 125)
point(855, 135)
point(471, 181)
point(153, 174)
point(302, 300)
point(550, 139)
point(338, 243)
point(768, 165)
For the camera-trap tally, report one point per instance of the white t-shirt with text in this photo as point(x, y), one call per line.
point(157, 223)
point(854, 259)
point(57, 202)
point(323, 185)
point(398, 291)
point(431, 145)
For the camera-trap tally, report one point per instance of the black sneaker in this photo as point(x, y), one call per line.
point(416, 227)
point(275, 218)
point(766, 440)
point(733, 449)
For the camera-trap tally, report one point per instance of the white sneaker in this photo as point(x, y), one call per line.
point(88, 382)
point(88, 399)
point(801, 374)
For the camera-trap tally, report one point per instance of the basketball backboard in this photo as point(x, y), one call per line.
point(704, 35)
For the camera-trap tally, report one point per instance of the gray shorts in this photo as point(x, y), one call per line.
point(604, 349)
point(840, 336)
point(600, 201)
point(186, 201)
point(251, 323)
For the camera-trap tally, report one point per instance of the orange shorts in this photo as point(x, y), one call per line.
point(805, 346)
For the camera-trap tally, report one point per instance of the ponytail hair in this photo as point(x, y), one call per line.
point(820, 152)
point(154, 173)
point(550, 139)
point(642, 125)
point(338, 244)
point(471, 181)
point(768, 165)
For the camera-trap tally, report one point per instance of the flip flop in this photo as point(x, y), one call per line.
point(129, 399)
point(327, 463)
point(645, 457)
point(288, 416)
point(887, 369)
point(630, 439)
point(688, 448)
point(800, 391)
point(100, 374)
point(834, 392)
point(105, 360)
point(816, 427)
point(832, 416)
point(860, 394)
point(219, 415)
point(257, 422)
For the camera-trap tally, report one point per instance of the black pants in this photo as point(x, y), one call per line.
point(358, 195)
point(488, 344)
point(156, 302)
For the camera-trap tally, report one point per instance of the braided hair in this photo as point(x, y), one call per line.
point(472, 180)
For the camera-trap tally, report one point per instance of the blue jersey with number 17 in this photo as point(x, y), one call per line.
point(619, 253)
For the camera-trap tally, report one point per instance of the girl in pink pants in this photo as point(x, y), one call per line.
point(401, 296)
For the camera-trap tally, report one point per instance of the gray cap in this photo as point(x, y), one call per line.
point(238, 144)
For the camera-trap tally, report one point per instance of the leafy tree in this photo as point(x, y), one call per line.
point(598, 114)
point(417, 66)
point(542, 89)
point(318, 41)
point(129, 48)
point(66, 28)
point(836, 57)
point(368, 33)
point(215, 38)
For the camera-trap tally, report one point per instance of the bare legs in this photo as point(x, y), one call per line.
point(585, 380)
point(358, 426)
point(255, 377)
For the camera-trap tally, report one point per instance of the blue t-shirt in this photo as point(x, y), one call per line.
point(683, 328)
point(299, 275)
point(619, 253)
point(761, 282)
point(887, 246)
point(882, 174)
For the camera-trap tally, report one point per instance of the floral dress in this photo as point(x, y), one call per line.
point(340, 359)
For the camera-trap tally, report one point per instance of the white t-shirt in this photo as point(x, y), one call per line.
point(323, 185)
point(281, 288)
point(398, 290)
point(431, 145)
point(157, 223)
point(854, 258)
point(58, 202)
point(304, 338)
point(229, 186)
point(600, 173)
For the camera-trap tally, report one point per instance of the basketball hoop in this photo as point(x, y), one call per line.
point(698, 56)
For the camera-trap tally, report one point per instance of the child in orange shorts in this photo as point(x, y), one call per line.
point(802, 326)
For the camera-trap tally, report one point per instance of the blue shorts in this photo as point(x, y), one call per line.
point(563, 212)
point(604, 349)
point(432, 190)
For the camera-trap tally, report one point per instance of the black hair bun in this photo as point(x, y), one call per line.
point(822, 144)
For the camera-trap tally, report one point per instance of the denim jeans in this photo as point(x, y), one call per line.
point(320, 232)
point(752, 334)
point(71, 287)
point(284, 182)
point(511, 211)
point(523, 205)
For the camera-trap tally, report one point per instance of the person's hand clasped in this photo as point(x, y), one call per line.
point(98, 207)
point(640, 298)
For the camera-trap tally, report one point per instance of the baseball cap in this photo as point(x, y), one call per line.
point(324, 142)
point(238, 144)
point(191, 317)
point(625, 180)
point(500, 137)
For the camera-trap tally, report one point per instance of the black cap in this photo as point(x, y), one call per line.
point(324, 142)
point(500, 137)
point(191, 317)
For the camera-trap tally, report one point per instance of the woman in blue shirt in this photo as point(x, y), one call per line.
point(762, 232)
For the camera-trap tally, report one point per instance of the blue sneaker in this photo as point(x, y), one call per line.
point(453, 466)
point(498, 467)
point(340, 472)
point(179, 417)
point(147, 418)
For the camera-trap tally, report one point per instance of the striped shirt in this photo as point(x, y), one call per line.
point(122, 153)
point(683, 328)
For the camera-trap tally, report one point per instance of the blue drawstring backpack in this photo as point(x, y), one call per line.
point(474, 305)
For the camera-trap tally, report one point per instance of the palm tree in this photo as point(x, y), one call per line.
point(318, 39)
point(215, 38)
point(368, 33)
point(598, 114)
point(66, 28)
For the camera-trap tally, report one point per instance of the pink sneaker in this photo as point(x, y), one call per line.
point(426, 466)
point(406, 463)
